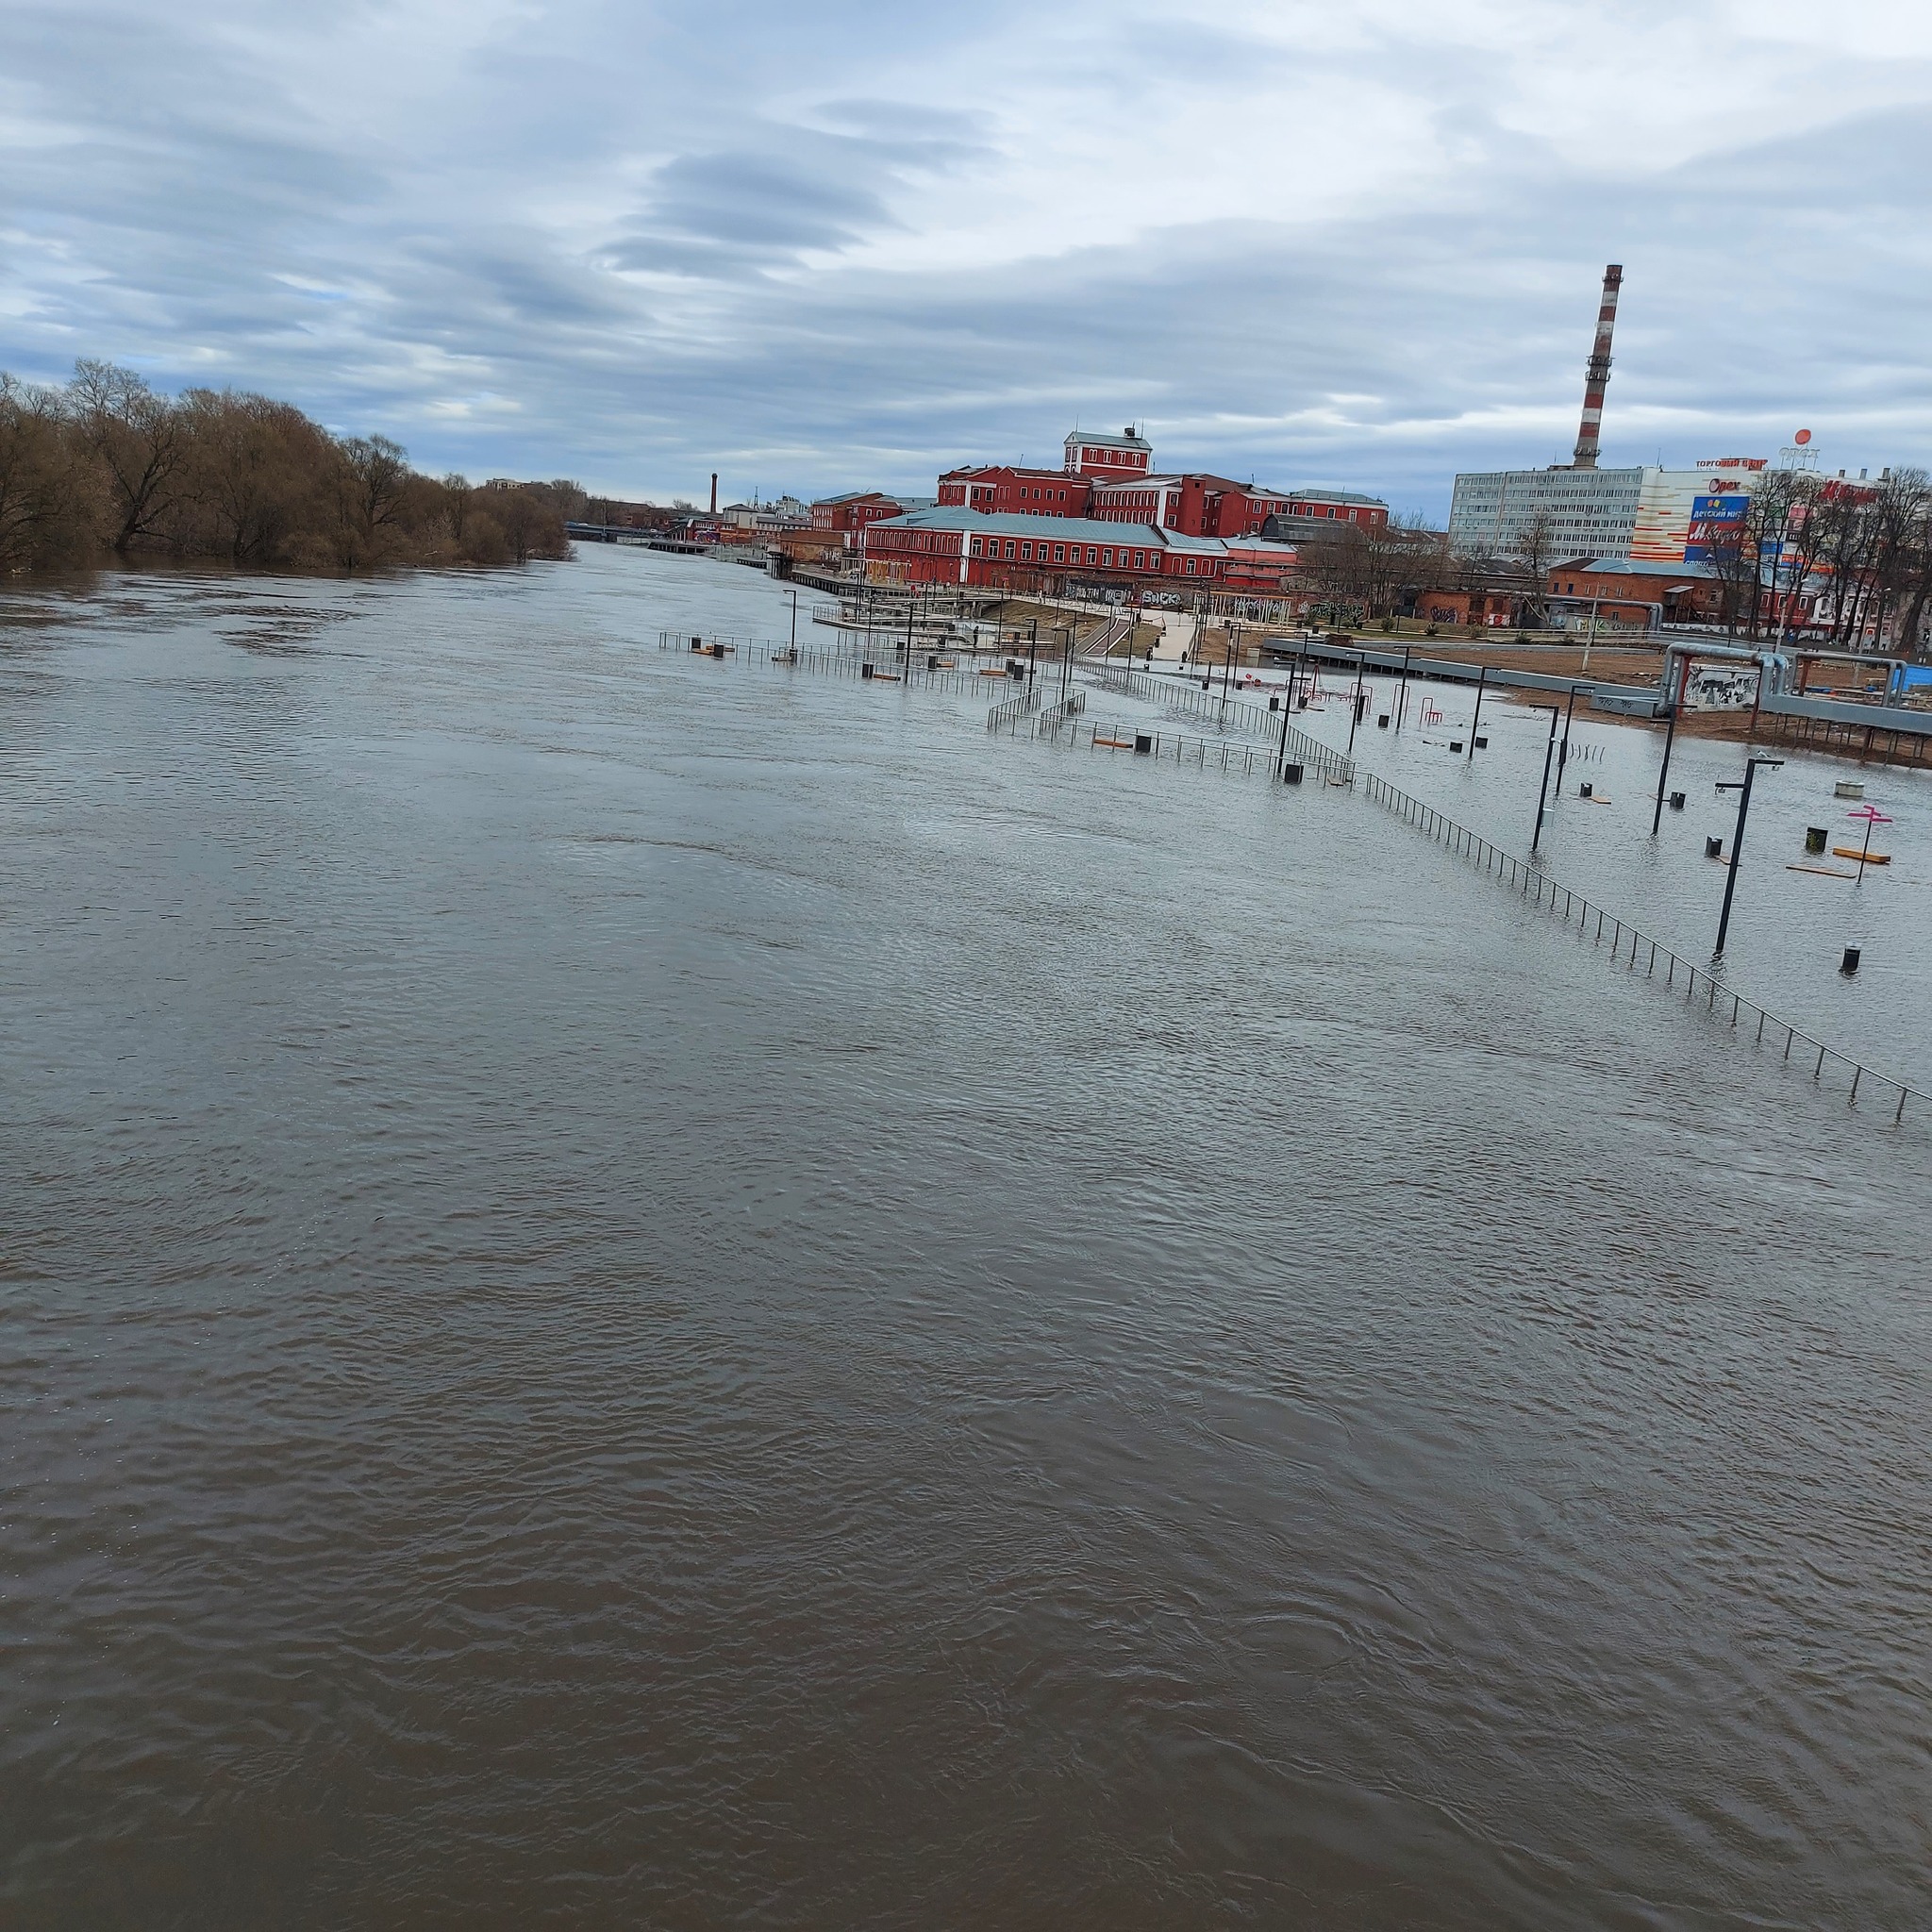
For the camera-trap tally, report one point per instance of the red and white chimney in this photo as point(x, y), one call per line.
point(1597, 377)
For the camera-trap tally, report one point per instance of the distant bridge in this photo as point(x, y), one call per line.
point(641, 539)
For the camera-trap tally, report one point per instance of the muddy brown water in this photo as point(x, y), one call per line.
point(640, 1293)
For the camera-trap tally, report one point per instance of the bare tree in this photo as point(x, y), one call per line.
point(138, 438)
point(47, 508)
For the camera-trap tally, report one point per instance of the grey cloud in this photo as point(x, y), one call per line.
point(473, 313)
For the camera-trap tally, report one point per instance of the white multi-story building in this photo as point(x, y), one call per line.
point(1644, 513)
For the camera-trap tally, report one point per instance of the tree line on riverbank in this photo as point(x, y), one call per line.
point(105, 466)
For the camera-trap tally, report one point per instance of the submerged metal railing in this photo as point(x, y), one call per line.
point(1143, 739)
point(1226, 714)
point(1001, 716)
point(1632, 946)
point(884, 665)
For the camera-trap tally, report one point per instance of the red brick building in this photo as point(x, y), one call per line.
point(1010, 490)
point(1092, 454)
point(953, 544)
point(854, 510)
point(1111, 479)
point(1628, 592)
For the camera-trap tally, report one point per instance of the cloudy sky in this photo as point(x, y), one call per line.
point(820, 245)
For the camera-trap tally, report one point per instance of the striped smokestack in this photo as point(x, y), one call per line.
point(1597, 377)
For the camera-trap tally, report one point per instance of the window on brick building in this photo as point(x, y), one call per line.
point(975, 546)
point(1106, 557)
point(1059, 553)
point(1010, 553)
point(1025, 552)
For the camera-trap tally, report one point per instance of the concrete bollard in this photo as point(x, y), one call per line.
point(1290, 774)
point(1713, 848)
point(1586, 789)
point(1849, 964)
point(1455, 744)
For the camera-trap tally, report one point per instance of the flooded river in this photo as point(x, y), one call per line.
point(647, 1292)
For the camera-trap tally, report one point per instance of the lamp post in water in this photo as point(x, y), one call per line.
point(1563, 754)
point(1742, 788)
point(1556, 711)
point(1355, 710)
point(1670, 736)
point(1481, 681)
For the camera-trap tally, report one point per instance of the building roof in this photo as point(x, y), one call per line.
point(1016, 522)
point(1634, 567)
point(857, 496)
point(1094, 439)
point(1000, 469)
point(1309, 493)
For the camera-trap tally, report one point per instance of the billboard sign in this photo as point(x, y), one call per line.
point(1717, 528)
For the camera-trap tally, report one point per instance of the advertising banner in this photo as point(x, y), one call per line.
point(1717, 528)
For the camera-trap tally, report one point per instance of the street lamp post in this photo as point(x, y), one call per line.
point(1556, 711)
point(1482, 678)
point(1355, 709)
point(1669, 738)
point(1402, 690)
point(1742, 788)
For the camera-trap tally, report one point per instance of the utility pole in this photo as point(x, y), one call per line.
point(1482, 678)
point(1742, 788)
point(1354, 709)
point(1401, 689)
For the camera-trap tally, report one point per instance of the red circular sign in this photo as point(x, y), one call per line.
point(1803, 437)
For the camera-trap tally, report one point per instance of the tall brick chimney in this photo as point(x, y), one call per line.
point(1597, 376)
